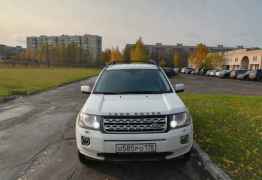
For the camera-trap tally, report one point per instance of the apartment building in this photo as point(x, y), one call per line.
point(92, 43)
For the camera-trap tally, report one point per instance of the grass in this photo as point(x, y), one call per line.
point(229, 129)
point(23, 81)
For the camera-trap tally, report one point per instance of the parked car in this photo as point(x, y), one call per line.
point(133, 113)
point(176, 70)
point(208, 72)
point(224, 73)
point(203, 71)
point(183, 70)
point(169, 72)
point(194, 71)
point(218, 72)
point(256, 75)
point(235, 73)
point(244, 75)
point(213, 72)
point(188, 70)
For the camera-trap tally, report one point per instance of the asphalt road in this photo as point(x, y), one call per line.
point(37, 141)
point(211, 85)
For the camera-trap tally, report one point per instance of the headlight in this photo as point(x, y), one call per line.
point(88, 121)
point(180, 120)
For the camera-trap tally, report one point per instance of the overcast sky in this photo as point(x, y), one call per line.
point(228, 22)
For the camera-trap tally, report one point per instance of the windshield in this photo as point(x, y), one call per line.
point(132, 81)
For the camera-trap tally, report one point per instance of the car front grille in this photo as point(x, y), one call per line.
point(136, 124)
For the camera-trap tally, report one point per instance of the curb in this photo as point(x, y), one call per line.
point(215, 172)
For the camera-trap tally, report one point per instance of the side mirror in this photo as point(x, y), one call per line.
point(179, 88)
point(86, 89)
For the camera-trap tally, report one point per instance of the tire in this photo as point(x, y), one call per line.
point(82, 158)
point(86, 160)
point(187, 156)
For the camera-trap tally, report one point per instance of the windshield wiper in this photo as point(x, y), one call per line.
point(109, 93)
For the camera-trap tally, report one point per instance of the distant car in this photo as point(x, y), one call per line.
point(213, 73)
point(176, 70)
point(244, 75)
point(203, 71)
point(255, 75)
point(224, 73)
point(169, 71)
point(195, 72)
point(235, 73)
point(218, 72)
point(183, 70)
point(188, 70)
point(208, 72)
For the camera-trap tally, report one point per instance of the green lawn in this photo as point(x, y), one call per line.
point(25, 81)
point(229, 129)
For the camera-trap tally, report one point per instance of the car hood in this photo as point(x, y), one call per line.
point(114, 104)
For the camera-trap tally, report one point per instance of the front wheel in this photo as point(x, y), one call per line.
point(187, 156)
point(82, 158)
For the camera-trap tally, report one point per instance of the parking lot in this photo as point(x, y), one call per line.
point(210, 85)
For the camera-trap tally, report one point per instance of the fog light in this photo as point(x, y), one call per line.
point(184, 139)
point(85, 140)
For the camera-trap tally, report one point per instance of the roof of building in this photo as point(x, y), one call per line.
point(131, 66)
point(179, 45)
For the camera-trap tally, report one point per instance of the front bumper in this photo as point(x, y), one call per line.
point(102, 146)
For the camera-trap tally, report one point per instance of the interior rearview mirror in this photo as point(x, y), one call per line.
point(179, 88)
point(86, 89)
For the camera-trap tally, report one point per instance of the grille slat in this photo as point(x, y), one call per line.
point(139, 124)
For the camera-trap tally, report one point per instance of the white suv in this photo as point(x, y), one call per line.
point(133, 113)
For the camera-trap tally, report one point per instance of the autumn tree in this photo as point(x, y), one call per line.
point(138, 52)
point(29, 54)
point(177, 60)
point(106, 56)
point(214, 60)
point(116, 54)
point(198, 57)
point(126, 54)
point(58, 55)
point(162, 62)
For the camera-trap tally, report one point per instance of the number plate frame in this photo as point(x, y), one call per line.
point(136, 148)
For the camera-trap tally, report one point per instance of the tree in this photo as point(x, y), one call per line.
point(29, 54)
point(138, 52)
point(106, 56)
point(177, 60)
point(126, 54)
point(116, 55)
point(199, 56)
point(162, 62)
point(214, 60)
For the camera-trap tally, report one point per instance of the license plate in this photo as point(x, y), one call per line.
point(135, 148)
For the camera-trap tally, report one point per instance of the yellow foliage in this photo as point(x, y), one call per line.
point(138, 52)
point(116, 55)
point(199, 55)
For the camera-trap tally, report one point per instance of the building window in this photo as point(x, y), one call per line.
point(236, 59)
point(255, 58)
